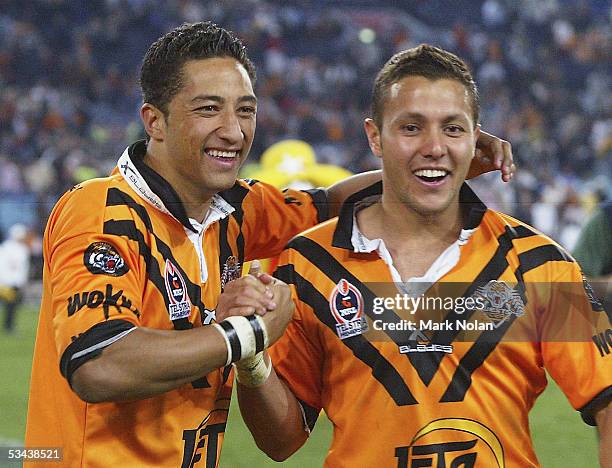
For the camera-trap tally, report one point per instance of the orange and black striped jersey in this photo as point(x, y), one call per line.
point(451, 386)
point(120, 252)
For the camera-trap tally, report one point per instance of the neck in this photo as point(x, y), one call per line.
point(194, 200)
point(413, 240)
point(445, 225)
point(398, 224)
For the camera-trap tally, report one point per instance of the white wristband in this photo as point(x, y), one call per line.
point(244, 336)
point(227, 343)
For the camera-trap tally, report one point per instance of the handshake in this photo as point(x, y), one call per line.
point(253, 313)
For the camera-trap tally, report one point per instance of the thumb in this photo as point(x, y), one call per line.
point(255, 268)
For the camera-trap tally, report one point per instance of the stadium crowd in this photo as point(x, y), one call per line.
point(68, 88)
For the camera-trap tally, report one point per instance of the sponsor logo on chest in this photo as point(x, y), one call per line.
point(179, 305)
point(452, 442)
point(346, 306)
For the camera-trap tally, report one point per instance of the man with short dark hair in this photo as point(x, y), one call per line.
point(424, 321)
point(143, 309)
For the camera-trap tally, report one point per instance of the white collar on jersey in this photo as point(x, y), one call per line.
point(219, 208)
point(442, 265)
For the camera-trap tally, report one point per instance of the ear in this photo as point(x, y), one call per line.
point(154, 121)
point(476, 136)
point(373, 134)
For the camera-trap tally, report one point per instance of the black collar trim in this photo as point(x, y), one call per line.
point(158, 184)
point(472, 207)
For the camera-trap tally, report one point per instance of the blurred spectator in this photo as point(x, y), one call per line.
point(68, 84)
point(14, 269)
point(593, 252)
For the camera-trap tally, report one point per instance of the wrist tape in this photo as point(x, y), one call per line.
point(253, 371)
point(244, 336)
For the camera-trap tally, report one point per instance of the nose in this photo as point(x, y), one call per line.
point(229, 129)
point(433, 144)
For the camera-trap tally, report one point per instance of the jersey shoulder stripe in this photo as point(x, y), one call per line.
point(534, 258)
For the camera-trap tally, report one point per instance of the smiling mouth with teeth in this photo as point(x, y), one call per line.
point(222, 154)
point(431, 175)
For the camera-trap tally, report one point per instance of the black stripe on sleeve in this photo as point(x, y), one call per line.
point(115, 197)
point(538, 256)
point(587, 411)
point(234, 341)
point(321, 204)
point(311, 414)
point(259, 333)
point(90, 344)
point(362, 349)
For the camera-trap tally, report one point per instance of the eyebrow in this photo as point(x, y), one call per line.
point(246, 98)
point(419, 116)
point(452, 117)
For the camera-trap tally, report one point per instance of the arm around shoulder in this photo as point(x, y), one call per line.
point(340, 191)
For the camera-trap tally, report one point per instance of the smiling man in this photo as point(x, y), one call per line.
point(406, 387)
point(143, 310)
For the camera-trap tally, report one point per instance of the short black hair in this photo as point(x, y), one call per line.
point(429, 62)
point(161, 73)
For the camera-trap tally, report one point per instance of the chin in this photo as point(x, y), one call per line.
point(226, 186)
point(224, 181)
point(428, 208)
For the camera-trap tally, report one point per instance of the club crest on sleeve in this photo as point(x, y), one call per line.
point(500, 300)
point(179, 305)
point(102, 258)
point(346, 306)
point(231, 270)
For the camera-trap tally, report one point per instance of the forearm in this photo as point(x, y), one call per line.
point(603, 417)
point(272, 414)
point(340, 191)
point(148, 362)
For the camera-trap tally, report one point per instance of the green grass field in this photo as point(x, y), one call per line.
point(561, 438)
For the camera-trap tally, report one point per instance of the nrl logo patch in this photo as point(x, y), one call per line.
point(346, 306)
point(500, 301)
point(102, 258)
point(179, 305)
point(231, 270)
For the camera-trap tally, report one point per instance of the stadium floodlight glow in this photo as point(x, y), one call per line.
point(367, 35)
